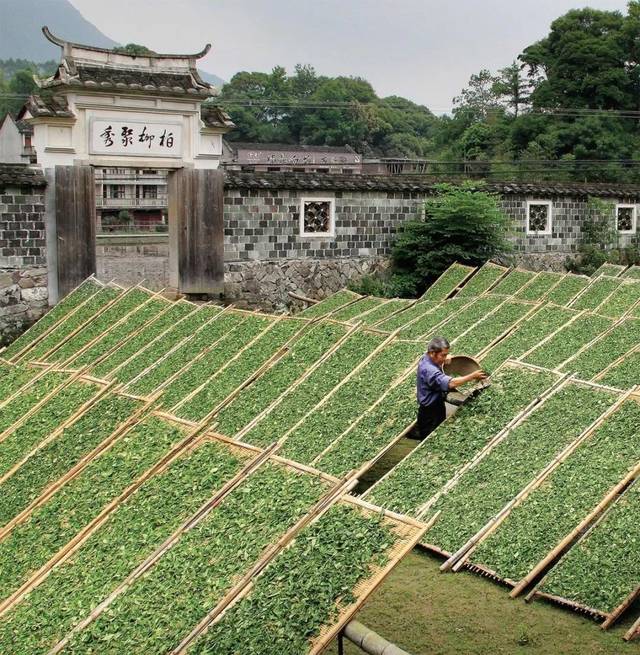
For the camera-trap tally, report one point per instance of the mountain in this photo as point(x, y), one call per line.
point(21, 35)
point(21, 22)
point(211, 78)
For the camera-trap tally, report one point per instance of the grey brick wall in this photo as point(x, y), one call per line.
point(263, 225)
point(22, 229)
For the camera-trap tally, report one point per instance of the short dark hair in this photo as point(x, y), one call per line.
point(437, 344)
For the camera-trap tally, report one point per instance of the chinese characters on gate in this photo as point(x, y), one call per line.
point(136, 138)
point(127, 136)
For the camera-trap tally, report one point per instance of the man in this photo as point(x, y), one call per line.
point(433, 385)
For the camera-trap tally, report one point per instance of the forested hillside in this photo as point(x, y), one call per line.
point(567, 107)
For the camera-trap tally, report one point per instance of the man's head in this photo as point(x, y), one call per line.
point(438, 350)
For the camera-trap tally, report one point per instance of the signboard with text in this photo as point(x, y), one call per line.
point(135, 138)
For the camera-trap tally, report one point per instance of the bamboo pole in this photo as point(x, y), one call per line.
point(271, 552)
point(57, 323)
point(352, 329)
point(72, 546)
point(74, 471)
point(570, 538)
point(633, 632)
point(192, 521)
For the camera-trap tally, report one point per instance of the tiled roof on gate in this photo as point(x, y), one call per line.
point(20, 175)
point(38, 106)
point(417, 184)
point(213, 116)
point(115, 71)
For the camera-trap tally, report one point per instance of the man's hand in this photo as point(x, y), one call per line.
point(447, 360)
point(480, 375)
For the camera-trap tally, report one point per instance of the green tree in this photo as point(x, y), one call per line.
point(513, 88)
point(584, 62)
point(134, 49)
point(461, 223)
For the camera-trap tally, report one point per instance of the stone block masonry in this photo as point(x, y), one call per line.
point(23, 253)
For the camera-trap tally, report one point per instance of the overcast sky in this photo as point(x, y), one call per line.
point(424, 50)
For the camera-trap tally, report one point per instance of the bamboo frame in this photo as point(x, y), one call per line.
point(310, 370)
point(87, 323)
point(75, 470)
point(72, 546)
point(73, 377)
point(470, 270)
point(493, 524)
point(507, 331)
point(320, 508)
point(347, 304)
point(113, 373)
point(110, 351)
point(617, 362)
point(409, 304)
point(273, 322)
point(548, 338)
point(592, 343)
point(80, 327)
point(593, 281)
point(335, 389)
point(516, 269)
point(59, 430)
point(213, 319)
point(525, 319)
point(192, 521)
point(400, 379)
point(458, 559)
point(623, 283)
point(509, 363)
point(571, 538)
point(152, 296)
point(437, 326)
point(408, 532)
point(54, 325)
point(560, 383)
point(621, 268)
point(504, 271)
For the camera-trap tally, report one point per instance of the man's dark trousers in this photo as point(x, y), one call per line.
point(430, 417)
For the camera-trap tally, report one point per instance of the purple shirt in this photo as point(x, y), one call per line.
point(432, 383)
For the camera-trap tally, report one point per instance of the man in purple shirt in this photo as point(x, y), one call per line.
point(433, 385)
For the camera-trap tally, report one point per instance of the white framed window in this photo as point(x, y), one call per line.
point(317, 217)
point(539, 217)
point(626, 219)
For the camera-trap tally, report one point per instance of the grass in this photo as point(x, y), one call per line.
point(430, 613)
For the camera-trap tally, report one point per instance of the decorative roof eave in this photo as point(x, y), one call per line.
point(70, 44)
point(216, 119)
point(417, 184)
point(99, 69)
point(37, 108)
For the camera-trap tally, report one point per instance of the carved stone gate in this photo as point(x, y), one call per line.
point(110, 109)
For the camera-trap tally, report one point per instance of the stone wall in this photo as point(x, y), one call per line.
point(23, 300)
point(23, 261)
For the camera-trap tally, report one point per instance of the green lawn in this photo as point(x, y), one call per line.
point(430, 613)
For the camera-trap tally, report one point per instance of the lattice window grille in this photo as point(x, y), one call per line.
point(538, 217)
point(626, 218)
point(317, 217)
